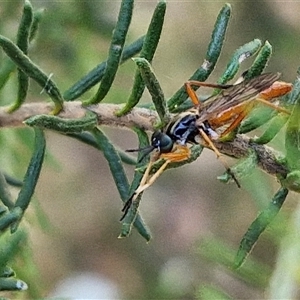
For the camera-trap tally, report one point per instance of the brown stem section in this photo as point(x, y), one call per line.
point(267, 157)
point(145, 119)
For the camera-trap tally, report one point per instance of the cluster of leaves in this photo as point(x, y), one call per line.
point(85, 129)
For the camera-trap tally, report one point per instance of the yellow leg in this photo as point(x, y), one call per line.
point(207, 84)
point(247, 109)
point(191, 93)
point(180, 153)
point(219, 155)
point(235, 123)
point(270, 104)
point(143, 186)
point(146, 174)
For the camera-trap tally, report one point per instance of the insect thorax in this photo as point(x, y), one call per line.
point(182, 128)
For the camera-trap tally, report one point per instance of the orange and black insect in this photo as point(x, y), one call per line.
point(229, 108)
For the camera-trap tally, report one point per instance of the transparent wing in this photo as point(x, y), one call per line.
point(245, 91)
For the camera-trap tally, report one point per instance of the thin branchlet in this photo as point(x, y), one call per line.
point(145, 119)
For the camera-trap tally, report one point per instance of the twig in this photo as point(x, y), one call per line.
point(145, 119)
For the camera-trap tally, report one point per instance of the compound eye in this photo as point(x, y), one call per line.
point(162, 142)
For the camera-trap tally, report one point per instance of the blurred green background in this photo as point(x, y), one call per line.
point(186, 205)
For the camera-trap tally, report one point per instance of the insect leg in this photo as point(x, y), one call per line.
point(219, 155)
point(192, 94)
point(134, 195)
point(245, 112)
point(237, 121)
point(151, 180)
point(270, 104)
point(206, 84)
point(182, 152)
point(144, 184)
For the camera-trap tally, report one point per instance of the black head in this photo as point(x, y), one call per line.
point(162, 142)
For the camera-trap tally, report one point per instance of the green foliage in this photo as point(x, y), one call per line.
point(147, 52)
point(115, 51)
point(85, 129)
point(212, 56)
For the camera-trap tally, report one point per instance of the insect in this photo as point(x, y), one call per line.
point(229, 107)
